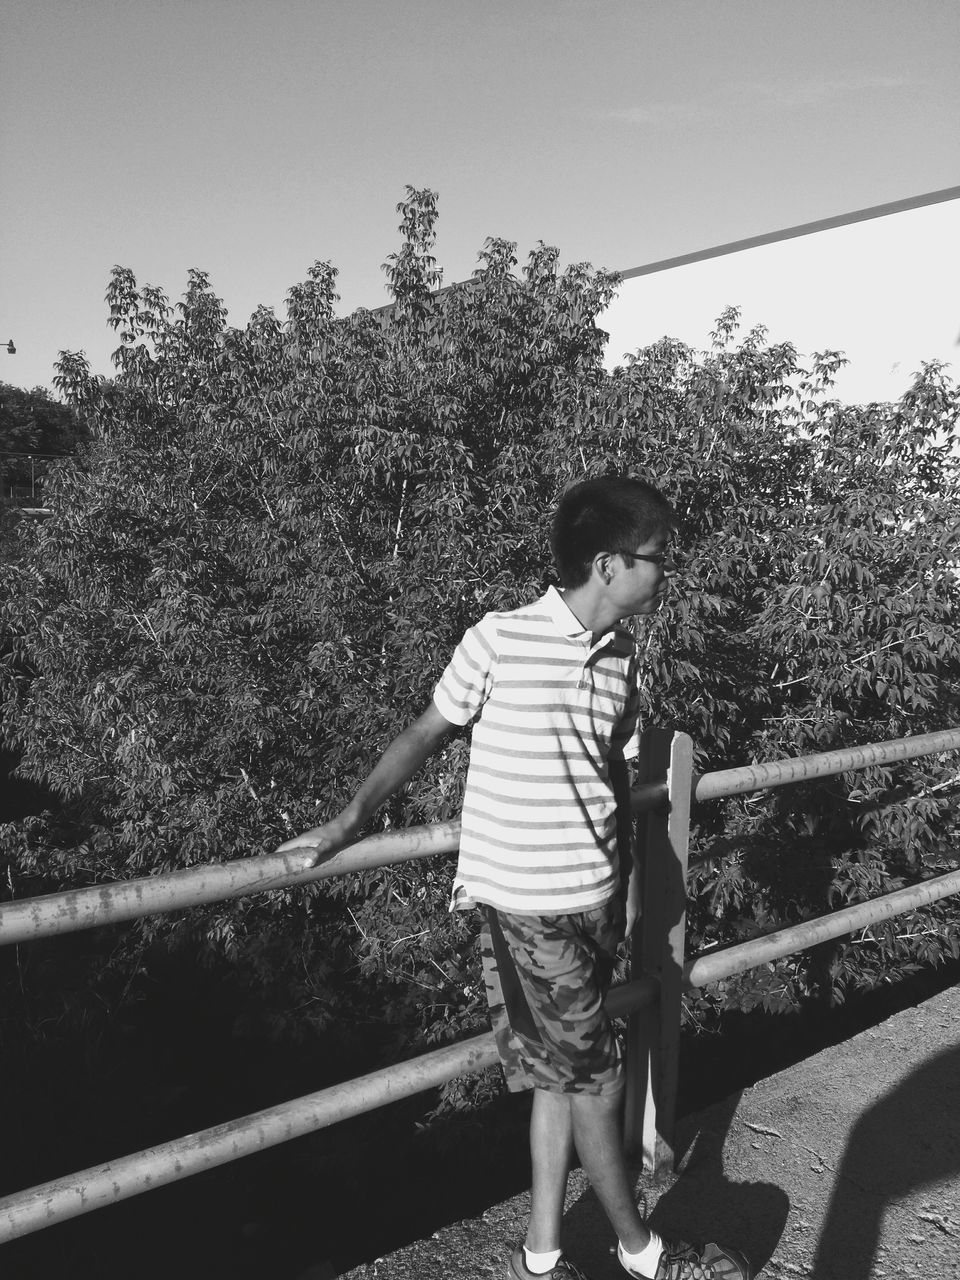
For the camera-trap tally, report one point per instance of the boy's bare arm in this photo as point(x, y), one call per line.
point(407, 753)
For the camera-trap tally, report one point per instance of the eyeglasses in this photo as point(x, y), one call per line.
point(660, 558)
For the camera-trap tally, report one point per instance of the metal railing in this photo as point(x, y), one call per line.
point(651, 1003)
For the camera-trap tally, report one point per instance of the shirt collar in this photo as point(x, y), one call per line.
point(567, 622)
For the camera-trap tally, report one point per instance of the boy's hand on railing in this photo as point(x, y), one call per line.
point(403, 757)
point(323, 841)
point(632, 900)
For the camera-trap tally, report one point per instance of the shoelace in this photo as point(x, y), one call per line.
point(566, 1270)
point(686, 1265)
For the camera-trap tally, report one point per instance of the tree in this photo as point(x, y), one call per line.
point(277, 534)
point(819, 610)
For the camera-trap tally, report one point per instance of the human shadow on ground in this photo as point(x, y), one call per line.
point(908, 1140)
point(701, 1204)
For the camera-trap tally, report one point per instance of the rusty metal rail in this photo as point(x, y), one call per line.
point(105, 1184)
point(652, 1001)
point(713, 966)
point(31, 918)
point(27, 919)
point(825, 764)
point(40, 917)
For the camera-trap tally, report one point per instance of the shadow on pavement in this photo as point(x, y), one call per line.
point(701, 1204)
point(909, 1139)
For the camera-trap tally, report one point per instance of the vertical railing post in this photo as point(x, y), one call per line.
point(653, 1033)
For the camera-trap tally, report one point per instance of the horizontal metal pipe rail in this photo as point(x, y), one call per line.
point(78, 1193)
point(53, 913)
point(41, 917)
point(87, 908)
point(94, 1188)
point(782, 773)
point(213, 882)
point(713, 966)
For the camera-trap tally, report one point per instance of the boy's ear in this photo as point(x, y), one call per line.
point(603, 565)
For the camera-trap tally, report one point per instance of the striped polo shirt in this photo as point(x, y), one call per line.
point(538, 827)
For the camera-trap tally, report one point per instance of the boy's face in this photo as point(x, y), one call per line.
point(642, 579)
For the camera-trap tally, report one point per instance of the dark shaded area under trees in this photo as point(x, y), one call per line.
point(33, 425)
point(256, 567)
point(36, 431)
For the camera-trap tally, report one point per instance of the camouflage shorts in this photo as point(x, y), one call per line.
point(546, 978)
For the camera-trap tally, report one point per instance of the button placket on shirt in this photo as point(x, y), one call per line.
point(591, 651)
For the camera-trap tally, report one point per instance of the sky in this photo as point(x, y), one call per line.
point(884, 292)
point(250, 138)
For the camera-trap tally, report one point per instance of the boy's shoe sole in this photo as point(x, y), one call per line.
point(681, 1261)
point(517, 1269)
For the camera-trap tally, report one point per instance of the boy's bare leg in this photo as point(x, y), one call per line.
point(598, 1137)
point(551, 1151)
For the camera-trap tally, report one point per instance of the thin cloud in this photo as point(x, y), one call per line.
point(815, 93)
point(656, 113)
point(751, 95)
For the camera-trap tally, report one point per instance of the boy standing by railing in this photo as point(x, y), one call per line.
point(554, 689)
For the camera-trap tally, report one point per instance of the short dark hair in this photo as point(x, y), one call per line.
point(609, 513)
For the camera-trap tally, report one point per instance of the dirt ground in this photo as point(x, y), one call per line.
point(846, 1165)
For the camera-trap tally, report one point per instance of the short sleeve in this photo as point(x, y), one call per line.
point(468, 679)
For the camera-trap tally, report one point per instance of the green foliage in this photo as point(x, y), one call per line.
point(262, 560)
point(819, 610)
